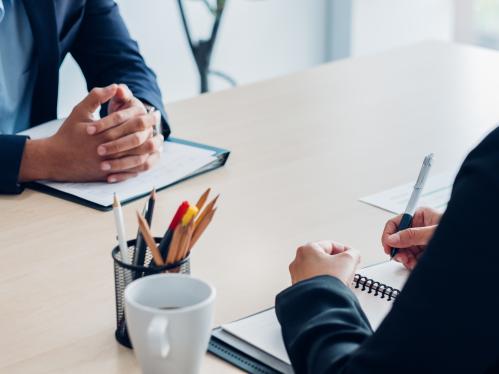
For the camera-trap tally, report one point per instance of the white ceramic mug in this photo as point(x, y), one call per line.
point(169, 319)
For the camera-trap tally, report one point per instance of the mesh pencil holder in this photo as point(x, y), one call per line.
point(125, 273)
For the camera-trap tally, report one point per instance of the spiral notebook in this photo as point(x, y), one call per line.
point(255, 344)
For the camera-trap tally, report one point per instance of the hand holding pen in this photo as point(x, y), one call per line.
point(413, 241)
point(406, 218)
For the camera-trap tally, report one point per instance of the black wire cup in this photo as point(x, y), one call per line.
point(125, 273)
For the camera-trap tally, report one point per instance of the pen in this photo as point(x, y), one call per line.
point(406, 220)
point(120, 228)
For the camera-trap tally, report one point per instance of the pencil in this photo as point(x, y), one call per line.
point(146, 233)
point(164, 245)
point(150, 206)
point(186, 240)
point(172, 251)
point(199, 230)
point(140, 247)
point(206, 210)
point(120, 228)
point(202, 199)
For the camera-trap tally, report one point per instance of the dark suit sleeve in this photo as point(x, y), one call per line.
point(11, 153)
point(107, 54)
point(445, 320)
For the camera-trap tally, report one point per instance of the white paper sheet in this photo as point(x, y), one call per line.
point(436, 195)
point(177, 161)
point(262, 331)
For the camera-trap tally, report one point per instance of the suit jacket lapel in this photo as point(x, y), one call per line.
point(42, 18)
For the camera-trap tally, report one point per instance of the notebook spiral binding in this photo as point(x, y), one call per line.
point(381, 290)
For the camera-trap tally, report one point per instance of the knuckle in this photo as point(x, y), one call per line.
point(146, 166)
point(136, 139)
point(303, 250)
point(109, 136)
point(112, 148)
point(411, 234)
point(141, 124)
point(150, 146)
point(118, 117)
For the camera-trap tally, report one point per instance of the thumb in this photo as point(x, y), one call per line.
point(96, 97)
point(123, 94)
point(411, 236)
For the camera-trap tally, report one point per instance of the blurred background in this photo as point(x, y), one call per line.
point(261, 39)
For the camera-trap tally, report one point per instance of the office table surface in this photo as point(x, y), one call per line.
point(304, 148)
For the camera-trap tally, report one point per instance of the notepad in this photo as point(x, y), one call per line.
point(180, 160)
point(436, 195)
point(258, 337)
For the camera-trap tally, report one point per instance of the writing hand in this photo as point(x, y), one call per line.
point(413, 241)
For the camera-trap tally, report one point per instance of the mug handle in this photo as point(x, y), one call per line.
point(157, 337)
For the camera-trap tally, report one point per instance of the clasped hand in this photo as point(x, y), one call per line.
point(112, 149)
point(329, 258)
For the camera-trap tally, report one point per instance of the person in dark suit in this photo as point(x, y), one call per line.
point(446, 319)
point(35, 36)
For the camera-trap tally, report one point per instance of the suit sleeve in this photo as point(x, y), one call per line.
point(11, 153)
point(107, 54)
point(445, 320)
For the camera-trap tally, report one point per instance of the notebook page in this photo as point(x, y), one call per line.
point(392, 274)
point(262, 331)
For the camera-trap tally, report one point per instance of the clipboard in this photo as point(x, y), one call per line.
point(220, 154)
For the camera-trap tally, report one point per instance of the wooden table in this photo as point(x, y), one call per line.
point(304, 148)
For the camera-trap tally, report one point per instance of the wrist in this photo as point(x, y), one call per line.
point(36, 163)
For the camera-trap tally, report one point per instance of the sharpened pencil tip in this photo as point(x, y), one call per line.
point(116, 202)
point(153, 193)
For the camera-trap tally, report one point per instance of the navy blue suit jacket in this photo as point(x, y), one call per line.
point(95, 34)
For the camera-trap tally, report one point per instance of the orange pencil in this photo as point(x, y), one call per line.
point(206, 210)
point(186, 240)
point(202, 199)
point(172, 252)
point(198, 231)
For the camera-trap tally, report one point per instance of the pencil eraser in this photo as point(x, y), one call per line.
point(189, 214)
point(179, 214)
